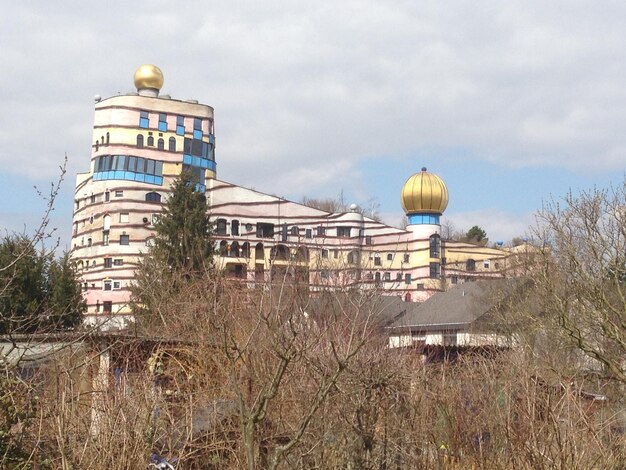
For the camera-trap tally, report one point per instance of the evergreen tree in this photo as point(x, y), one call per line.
point(36, 292)
point(476, 235)
point(183, 239)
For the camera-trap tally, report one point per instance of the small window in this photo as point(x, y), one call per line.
point(387, 276)
point(377, 261)
point(163, 122)
point(419, 286)
point(435, 270)
point(435, 246)
point(308, 233)
point(234, 228)
point(486, 264)
point(105, 237)
point(172, 144)
point(368, 240)
point(406, 257)
point(139, 141)
point(117, 284)
point(107, 196)
point(107, 285)
point(454, 280)
point(161, 144)
point(407, 278)
point(470, 265)
point(153, 197)
point(335, 254)
point(92, 199)
point(389, 256)
point(107, 306)
point(119, 193)
point(264, 230)
point(118, 262)
point(124, 240)
point(325, 273)
point(353, 257)
point(343, 232)
point(89, 241)
point(220, 227)
point(150, 141)
point(284, 233)
point(399, 277)
point(124, 217)
point(108, 262)
point(91, 219)
point(294, 231)
point(321, 231)
point(108, 136)
point(144, 119)
point(325, 254)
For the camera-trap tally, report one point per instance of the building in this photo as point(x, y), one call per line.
point(143, 140)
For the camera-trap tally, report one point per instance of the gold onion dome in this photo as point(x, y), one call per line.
point(148, 76)
point(424, 193)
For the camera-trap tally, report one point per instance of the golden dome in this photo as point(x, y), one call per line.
point(424, 193)
point(148, 76)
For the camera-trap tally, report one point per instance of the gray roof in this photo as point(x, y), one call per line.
point(459, 307)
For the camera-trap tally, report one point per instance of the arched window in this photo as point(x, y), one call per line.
point(139, 141)
point(172, 144)
point(153, 197)
point(220, 227)
point(470, 265)
point(259, 252)
point(435, 246)
point(353, 257)
point(234, 228)
point(108, 136)
point(234, 250)
point(407, 297)
point(106, 222)
point(294, 231)
point(161, 144)
point(150, 141)
point(223, 248)
point(245, 250)
point(280, 252)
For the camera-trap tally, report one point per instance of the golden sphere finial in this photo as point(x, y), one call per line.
point(148, 76)
point(424, 193)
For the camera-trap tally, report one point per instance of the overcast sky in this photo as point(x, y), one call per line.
point(509, 102)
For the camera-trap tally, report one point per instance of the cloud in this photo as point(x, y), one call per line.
point(498, 224)
point(309, 90)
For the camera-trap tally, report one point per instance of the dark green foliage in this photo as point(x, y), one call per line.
point(476, 235)
point(36, 292)
point(183, 240)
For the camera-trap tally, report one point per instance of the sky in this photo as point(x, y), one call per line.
point(510, 103)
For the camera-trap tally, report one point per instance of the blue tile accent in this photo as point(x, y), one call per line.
point(423, 219)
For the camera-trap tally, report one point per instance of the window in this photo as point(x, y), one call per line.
point(387, 276)
point(294, 231)
point(144, 119)
point(454, 280)
point(486, 264)
point(91, 219)
point(407, 278)
point(92, 199)
point(161, 144)
point(108, 262)
point(220, 227)
point(180, 125)
point(234, 228)
point(325, 254)
point(89, 241)
point(470, 265)
point(124, 240)
point(377, 278)
point(407, 257)
point(399, 277)
point(163, 122)
point(119, 193)
point(197, 128)
point(264, 230)
point(108, 138)
point(325, 273)
point(419, 286)
point(118, 262)
point(435, 270)
point(150, 141)
point(321, 231)
point(107, 285)
point(389, 256)
point(124, 217)
point(335, 254)
point(117, 284)
point(343, 232)
point(105, 237)
point(153, 197)
point(435, 246)
point(308, 233)
point(368, 240)
point(139, 141)
point(107, 306)
point(284, 233)
point(377, 261)
point(172, 144)
point(353, 257)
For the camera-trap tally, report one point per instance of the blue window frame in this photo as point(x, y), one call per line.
point(197, 128)
point(180, 125)
point(163, 122)
point(144, 120)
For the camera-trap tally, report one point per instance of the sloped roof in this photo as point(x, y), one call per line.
point(458, 307)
